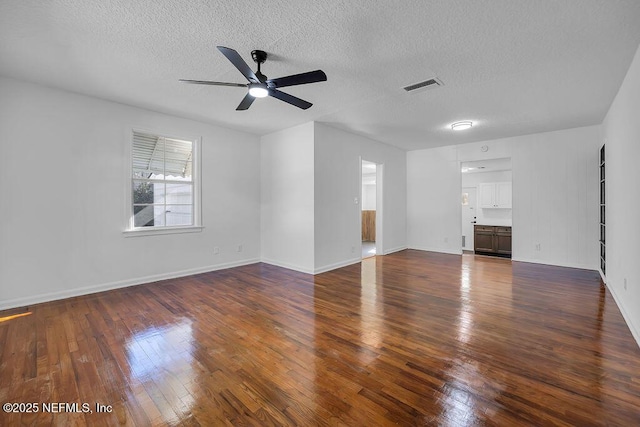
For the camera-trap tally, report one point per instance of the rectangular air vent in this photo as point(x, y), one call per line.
point(427, 84)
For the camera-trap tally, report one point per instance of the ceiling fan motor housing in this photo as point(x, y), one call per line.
point(259, 56)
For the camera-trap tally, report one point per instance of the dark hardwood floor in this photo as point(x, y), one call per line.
point(412, 338)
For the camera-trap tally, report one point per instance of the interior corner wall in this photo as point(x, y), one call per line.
point(555, 195)
point(338, 233)
point(63, 179)
point(621, 134)
point(287, 198)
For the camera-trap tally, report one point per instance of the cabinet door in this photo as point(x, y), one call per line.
point(483, 239)
point(487, 195)
point(503, 241)
point(503, 195)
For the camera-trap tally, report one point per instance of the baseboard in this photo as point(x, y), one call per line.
point(439, 250)
point(627, 319)
point(337, 265)
point(392, 250)
point(557, 264)
point(53, 296)
point(602, 276)
point(287, 266)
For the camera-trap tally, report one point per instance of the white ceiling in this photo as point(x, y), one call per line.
point(514, 67)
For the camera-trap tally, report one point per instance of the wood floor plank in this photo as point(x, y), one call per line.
point(411, 338)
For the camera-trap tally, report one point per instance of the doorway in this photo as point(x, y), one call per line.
point(469, 207)
point(369, 214)
point(486, 202)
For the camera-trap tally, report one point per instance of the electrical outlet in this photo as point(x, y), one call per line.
point(446, 240)
point(239, 248)
point(216, 250)
point(538, 247)
point(625, 283)
point(353, 249)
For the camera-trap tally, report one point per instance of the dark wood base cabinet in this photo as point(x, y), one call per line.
point(492, 240)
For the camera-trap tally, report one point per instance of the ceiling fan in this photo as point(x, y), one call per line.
point(259, 85)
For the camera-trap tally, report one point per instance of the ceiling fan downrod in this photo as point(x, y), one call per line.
point(259, 57)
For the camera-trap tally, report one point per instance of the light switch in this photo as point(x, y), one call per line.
point(355, 200)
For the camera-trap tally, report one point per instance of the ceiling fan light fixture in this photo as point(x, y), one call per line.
point(259, 85)
point(258, 90)
point(462, 125)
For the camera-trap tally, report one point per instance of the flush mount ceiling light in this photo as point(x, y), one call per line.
point(461, 125)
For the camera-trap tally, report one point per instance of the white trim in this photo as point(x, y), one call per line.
point(602, 276)
point(556, 264)
point(287, 266)
point(336, 265)
point(627, 319)
point(52, 296)
point(439, 250)
point(196, 182)
point(392, 250)
point(155, 231)
point(379, 208)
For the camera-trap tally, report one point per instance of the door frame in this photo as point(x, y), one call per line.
point(475, 210)
point(379, 205)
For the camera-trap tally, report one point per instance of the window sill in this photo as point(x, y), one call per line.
point(138, 232)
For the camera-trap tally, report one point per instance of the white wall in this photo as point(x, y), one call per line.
point(555, 195)
point(287, 198)
point(489, 216)
point(310, 178)
point(368, 197)
point(473, 179)
point(63, 178)
point(433, 200)
point(337, 183)
point(621, 133)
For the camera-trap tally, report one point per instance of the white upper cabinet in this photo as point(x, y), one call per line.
point(495, 195)
point(487, 195)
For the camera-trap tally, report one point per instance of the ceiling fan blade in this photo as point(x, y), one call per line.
point(245, 103)
point(207, 82)
point(290, 99)
point(299, 79)
point(239, 63)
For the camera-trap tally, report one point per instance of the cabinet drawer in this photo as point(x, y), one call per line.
point(484, 228)
point(503, 230)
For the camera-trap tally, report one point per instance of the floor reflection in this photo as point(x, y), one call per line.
point(371, 305)
point(465, 317)
point(161, 356)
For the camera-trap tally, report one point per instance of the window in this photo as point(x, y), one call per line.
point(163, 185)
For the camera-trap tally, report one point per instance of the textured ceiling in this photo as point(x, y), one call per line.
point(514, 67)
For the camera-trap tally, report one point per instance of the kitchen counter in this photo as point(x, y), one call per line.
point(495, 223)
